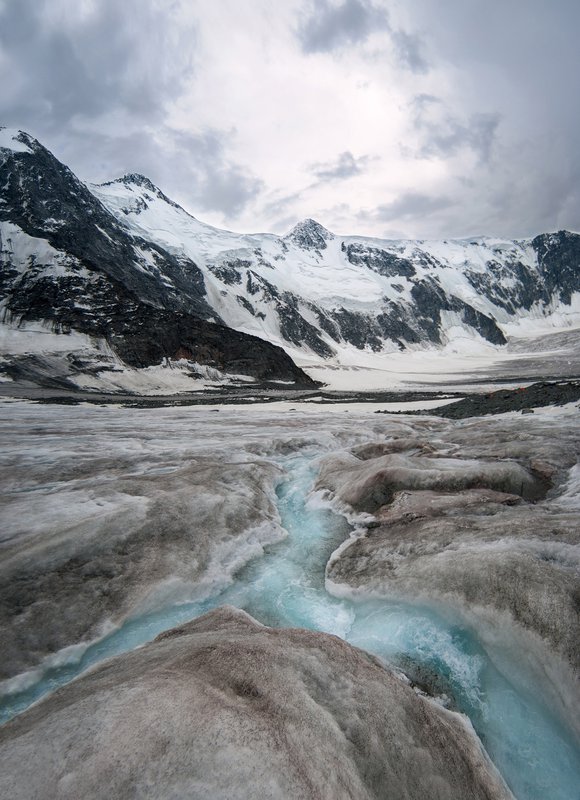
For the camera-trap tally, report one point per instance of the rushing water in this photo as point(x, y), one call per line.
point(530, 747)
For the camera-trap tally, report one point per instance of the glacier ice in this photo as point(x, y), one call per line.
point(75, 471)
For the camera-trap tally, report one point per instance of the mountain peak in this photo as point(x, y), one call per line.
point(15, 140)
point(139, 180)
point(309, 235)
point(135, 179)
point(142, 182)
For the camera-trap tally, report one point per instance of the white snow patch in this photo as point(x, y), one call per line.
point(8, 141)
point(545, 319)
point(355, 370)
point(39, 337)
point(318, 406)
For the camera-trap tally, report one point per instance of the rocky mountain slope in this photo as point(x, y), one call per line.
point(125, 264)
point(67, 262)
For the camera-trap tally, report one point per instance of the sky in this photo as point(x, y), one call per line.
point(414, 119)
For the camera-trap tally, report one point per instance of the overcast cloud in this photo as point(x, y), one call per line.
point(342, 167)
point(419, 119)
point(326, 26)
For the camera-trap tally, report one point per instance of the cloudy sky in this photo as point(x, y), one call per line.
point(415, 118)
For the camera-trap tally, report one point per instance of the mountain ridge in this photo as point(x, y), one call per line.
point(240, 260)
point(71, 249)
point(87, 273)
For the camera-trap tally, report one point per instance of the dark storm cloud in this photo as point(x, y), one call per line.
point(410, 51)
point(477, 134)
point(542, 196)
point(326, 27)
point(444, 134)
point(342, 167)
point(517, 68)
point(66, 66)
point(281, 204)
point(228, 188)
point(410, 205)
point(207, 175)
point(190, 168)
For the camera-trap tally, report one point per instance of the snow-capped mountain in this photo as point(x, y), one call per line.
point(68, 264)
point(125, 264)
point(316, 292)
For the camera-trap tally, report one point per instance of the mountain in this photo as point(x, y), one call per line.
point(67, 262)
point(313, 290)
point(124, 264)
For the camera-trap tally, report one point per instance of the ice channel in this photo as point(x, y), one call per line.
point(530, 747)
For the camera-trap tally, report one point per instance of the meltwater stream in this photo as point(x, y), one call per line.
point(285, 588)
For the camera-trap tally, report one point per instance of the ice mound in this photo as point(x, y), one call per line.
point(373, 483)
point(224, 707)
point(114, 535)
point(478, 519)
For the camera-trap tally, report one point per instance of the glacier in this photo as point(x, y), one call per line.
point(122, 524)
point(215, 579)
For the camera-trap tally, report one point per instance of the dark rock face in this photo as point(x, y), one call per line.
point(559, 259)
point(530, 397)
point(513, 286)
point(326, 323)
point(396, 323)
point(486, 326)
point(431, 300)
point(136, 179)
point(150, 334)
point(358, 329)
point(310, 235)
point(510, 285)
point(294, 328)
point(380, 261)
point(297, 330)
point(143, 335)
point(230, 272)
point(47, 201)
point(224, 707)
